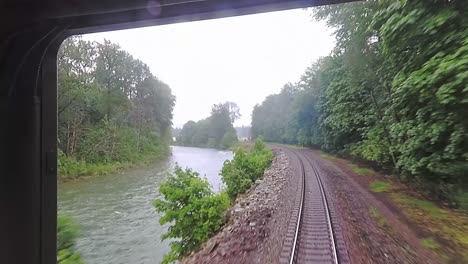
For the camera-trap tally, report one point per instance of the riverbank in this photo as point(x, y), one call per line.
point(117, 219)
point(70, 169)
point(255, 224)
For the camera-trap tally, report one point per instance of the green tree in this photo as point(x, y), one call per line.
point(111, 108)
point(393, 91)
point(425, 43)
point(216, 131)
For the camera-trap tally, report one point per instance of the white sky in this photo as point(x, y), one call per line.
point(239, 59)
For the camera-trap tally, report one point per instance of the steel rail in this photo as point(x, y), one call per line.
point(293, 256)
point(298, 224)
point(327, 210)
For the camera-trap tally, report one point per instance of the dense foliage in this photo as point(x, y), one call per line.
point(67, 231)
point(393, 91)
point(111, 109)
point(216, 131)
point(193, 210)
point(241, 172)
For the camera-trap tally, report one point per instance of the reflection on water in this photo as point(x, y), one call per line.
point(118, 222)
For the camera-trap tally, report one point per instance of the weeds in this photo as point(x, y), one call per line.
point(429, 243)
point(379, 186)
point(378, 217)
point(361, 171)
point(327, 156)
point(447, 226)
point(427, 206)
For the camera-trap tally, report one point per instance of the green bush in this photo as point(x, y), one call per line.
point(192, 209)
point(239, 173)
point(67, 230)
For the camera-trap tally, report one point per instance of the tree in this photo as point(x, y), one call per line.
point(111, 108)
point(393, 91)
point(216, 131)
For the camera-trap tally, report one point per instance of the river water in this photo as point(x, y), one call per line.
point(118, 223)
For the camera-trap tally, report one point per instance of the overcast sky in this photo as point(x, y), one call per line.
point(239, 59)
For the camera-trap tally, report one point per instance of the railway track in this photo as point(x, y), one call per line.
point(312, 236)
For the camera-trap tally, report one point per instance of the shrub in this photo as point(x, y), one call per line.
point(67, 230)
point(239, 173)
point(193, 210)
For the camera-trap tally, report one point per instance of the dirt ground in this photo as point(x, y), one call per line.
point(373, 232)
point(429, 233)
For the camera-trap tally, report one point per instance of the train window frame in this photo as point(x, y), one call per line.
point(28, 104)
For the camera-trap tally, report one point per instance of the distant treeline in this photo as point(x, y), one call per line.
point(216, 131)
point(393, 91)
point(111, 109)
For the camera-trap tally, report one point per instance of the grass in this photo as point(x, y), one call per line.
point(429, 243)
point(361, 171)
point(426, 206)
point(445, 225)
point(327, 156)
point(379, 186)
point(378, 217)
point(70, 168)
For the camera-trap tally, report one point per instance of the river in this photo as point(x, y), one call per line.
point(118, 223)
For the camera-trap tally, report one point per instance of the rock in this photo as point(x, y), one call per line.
point(258, 181)
point(238, 210)
point(212, 246)
point(227, 214)
point(252, 224)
